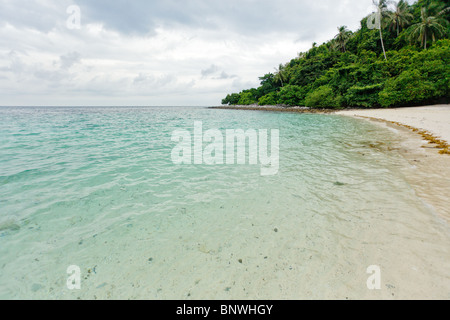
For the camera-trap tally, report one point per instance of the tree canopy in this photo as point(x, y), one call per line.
point(402, 61)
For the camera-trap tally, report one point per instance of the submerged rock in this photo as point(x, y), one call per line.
point(36, 287)
point(9, 225)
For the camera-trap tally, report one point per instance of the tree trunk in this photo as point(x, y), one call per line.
point(380, 16)
point(382, 43)
point(425, 34)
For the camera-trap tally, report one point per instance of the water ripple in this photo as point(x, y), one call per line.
point(90, 186)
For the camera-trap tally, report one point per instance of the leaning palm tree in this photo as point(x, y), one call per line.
point(430, 27)
point(342, 38)
point(401, 17)
point(382, 12)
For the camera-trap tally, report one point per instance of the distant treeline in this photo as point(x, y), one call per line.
point(405, 62)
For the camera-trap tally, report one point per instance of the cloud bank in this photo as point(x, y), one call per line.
point(170, 52)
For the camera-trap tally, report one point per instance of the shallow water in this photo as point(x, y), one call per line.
point(97, 188)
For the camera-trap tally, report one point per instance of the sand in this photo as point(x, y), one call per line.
point(435, 119)
point(429, 171)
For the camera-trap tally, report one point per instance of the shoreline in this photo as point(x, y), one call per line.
point(431, 120)
point(278, 108)
point(424, 132)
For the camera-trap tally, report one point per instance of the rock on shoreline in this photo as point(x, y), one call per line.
point(277, 108)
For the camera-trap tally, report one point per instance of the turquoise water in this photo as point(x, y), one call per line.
point(97, 188)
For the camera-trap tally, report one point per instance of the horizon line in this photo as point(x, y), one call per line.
point(104, 106)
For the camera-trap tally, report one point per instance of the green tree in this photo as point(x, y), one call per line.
point(356, 74)
point(430, 27)
point(409, 88)
point(323, 98)
point(342, 38)
point(268, 84)
point(401, 17)
point(382, 12)
point(270, 99)
point(232, 99)
point(366, 97)
point(247, 97)
point(291, 95)
point(280, 75)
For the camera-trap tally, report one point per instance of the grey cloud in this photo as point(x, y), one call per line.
point(209, 71)
point(154, 81)
point(50, 75)
point(239, 84)
point(247, 37)
point(244, 17)
point(214, 70)
point(225, 75)
point(26, 72)
point(247, 17)
point(16, 65)
point(122, 16)
point(69, 60)
point(149, 85)
point(39, 15)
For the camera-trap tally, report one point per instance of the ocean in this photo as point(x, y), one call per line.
point(94, 206)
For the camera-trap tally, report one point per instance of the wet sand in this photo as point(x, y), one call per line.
point(435, 119)
point(429, 171)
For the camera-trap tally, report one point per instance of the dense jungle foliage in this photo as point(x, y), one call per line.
point(401, 58)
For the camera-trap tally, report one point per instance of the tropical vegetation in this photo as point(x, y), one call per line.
point(399, 57)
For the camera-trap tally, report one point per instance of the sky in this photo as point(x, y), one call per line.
point(155, 52)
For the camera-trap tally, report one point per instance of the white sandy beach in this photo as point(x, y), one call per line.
point(435, 119)
point(429, 172)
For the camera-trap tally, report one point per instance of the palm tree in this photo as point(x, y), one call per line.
point(382, 7)
point(280, 76)
point(333, 45)
point(401, 17)
point(437, 9)
point(429, 27)
point(342, 37)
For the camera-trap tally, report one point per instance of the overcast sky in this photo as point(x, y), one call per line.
point(155, 52)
